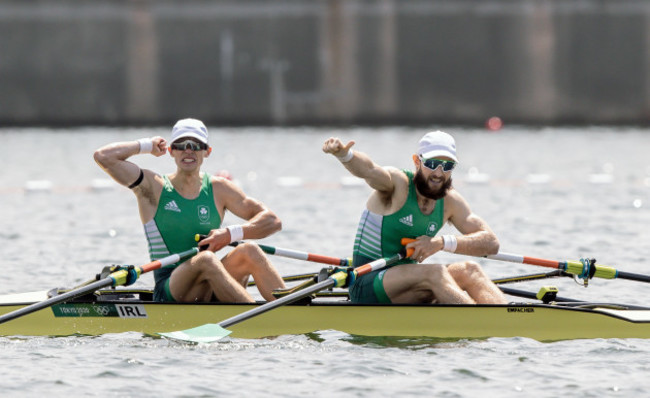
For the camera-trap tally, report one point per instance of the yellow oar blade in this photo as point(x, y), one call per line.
point(208, 333)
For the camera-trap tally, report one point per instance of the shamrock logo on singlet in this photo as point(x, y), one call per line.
point(204, 214)
point(432, 229)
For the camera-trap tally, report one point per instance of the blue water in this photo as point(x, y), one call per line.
point(552, 193)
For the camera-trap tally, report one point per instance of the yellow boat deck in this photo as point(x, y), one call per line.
point(544, 322)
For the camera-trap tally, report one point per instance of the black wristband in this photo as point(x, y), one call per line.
point(138, 181)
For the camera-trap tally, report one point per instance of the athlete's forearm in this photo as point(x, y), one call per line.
point(481, 243)
point(263, 224)
point(377, 177)
point(113, 157)
point(359, 164)
point(114, 153)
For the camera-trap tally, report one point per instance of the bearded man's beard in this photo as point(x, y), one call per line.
point(428, 192)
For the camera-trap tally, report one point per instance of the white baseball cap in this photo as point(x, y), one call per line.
point(190, 128)
point(437, 143)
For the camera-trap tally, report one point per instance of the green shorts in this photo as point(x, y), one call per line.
point(369, 289)
point(161, 292)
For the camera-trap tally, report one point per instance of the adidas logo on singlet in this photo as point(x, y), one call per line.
point(408, 220)
point(172, 206)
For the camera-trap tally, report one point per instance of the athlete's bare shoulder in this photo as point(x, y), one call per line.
point(455, 205)
point(150, 188)
point(223, 184)
point(387, 202)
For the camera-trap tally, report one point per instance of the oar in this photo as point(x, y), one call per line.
point(584, 269)
point(531, 277)
point(531, 295)
point(119, 277)
point(298, 255)
point(290, 278)
point(211, 332)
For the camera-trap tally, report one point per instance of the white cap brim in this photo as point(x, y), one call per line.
point(191, 134)
point(439, 153)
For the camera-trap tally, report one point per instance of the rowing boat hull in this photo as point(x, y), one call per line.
point(536, 321)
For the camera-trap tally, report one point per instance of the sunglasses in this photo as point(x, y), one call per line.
point(432, 164)
point(189, 144)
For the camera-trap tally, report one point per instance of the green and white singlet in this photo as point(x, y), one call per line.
point(380, 236)
point(174, 226)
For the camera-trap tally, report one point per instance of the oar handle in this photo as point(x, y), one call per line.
point(406, 241)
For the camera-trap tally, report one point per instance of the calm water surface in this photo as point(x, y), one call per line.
point(553, 193)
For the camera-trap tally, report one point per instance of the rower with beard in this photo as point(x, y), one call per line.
point(407, 204)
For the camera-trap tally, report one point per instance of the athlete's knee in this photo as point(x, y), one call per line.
point(435, 271)
point(206, 262)
point(469, 274)
point(247, 251)
point(252, 258)
point(203, 258)
point(434, 276)
point(467, 269)
point(473, 268)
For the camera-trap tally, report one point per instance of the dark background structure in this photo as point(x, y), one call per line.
point(286, 62)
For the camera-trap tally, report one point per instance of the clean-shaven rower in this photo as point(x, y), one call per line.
point(175, 207)
point(407, 204)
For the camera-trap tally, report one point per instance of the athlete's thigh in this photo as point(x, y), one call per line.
point(234, 263)
point(405, 280)
point(186, 282)
point(184, 276)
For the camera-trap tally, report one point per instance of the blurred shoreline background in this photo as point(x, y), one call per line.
point(334, 62)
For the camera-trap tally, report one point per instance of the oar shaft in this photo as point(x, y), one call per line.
point(290, 278)
point(289, 253)
point(531, 295)
point(171, 259)
point(338, 279)
point(632, 276)
point(378, 264)
point(523, 278)
point(515, 258)
point(572, 267)
point(299, 255)
point(326, 284)
point(56, 299)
